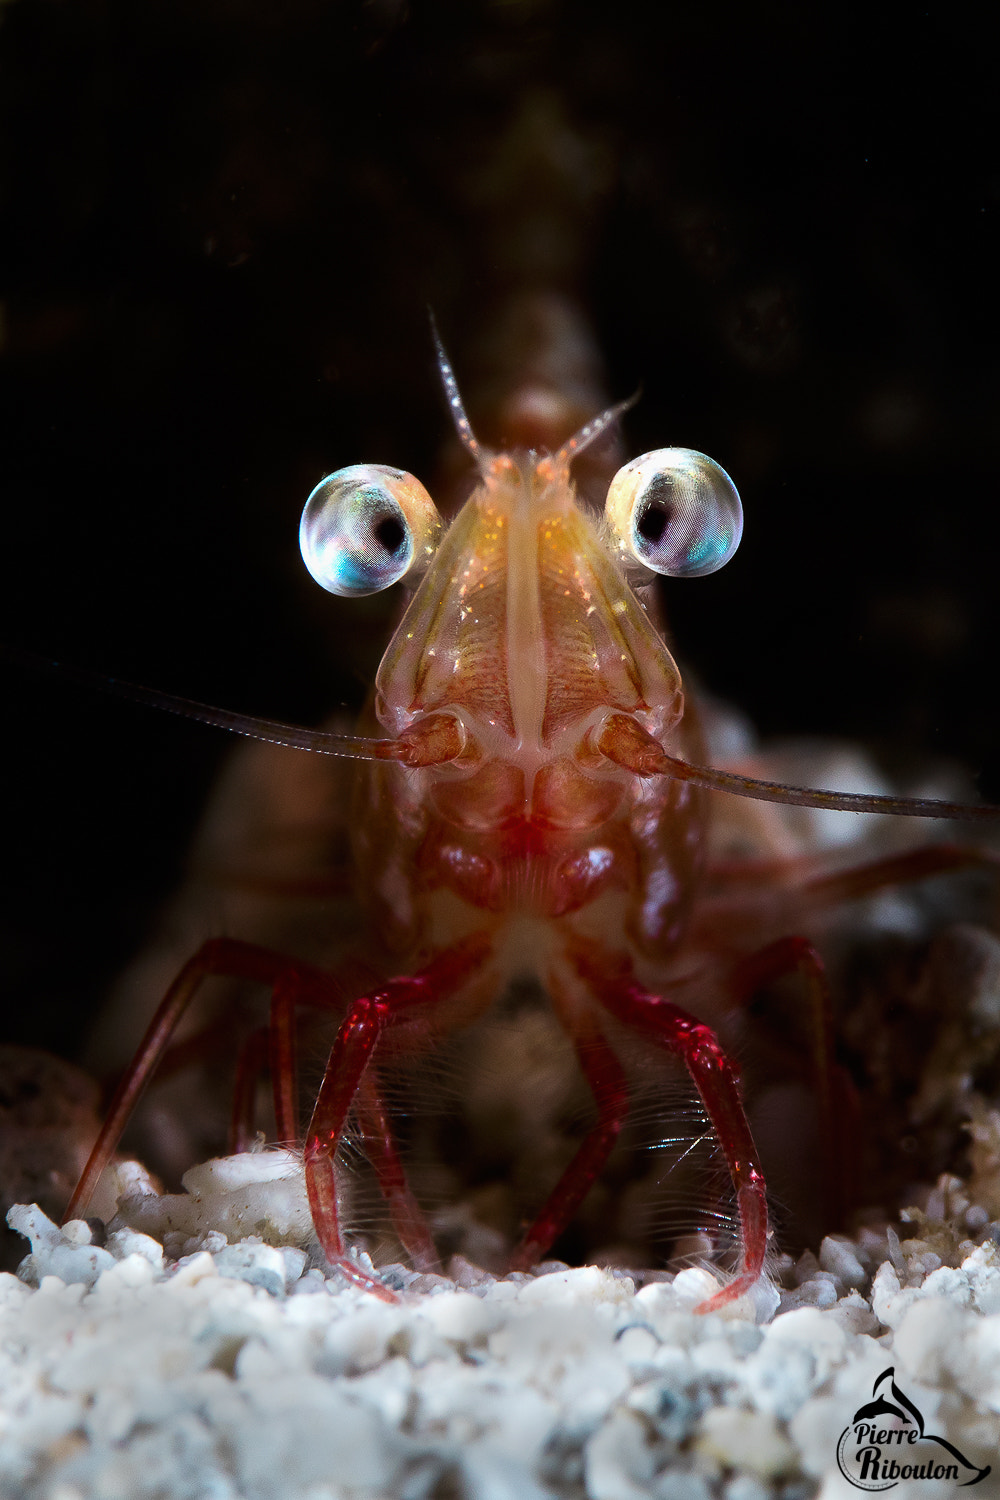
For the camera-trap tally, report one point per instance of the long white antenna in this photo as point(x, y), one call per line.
point(462, 423)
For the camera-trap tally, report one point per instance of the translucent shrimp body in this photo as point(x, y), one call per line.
point(525, 632)
point(527, 804)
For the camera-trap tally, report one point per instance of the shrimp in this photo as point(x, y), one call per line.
point(529, 808)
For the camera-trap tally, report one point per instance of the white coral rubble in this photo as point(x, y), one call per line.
point(241, 1370)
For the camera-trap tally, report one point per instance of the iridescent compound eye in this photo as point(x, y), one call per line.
point(675, 512)
point(366, 527)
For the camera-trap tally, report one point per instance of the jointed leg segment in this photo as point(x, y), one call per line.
point(606, 1078)
point(351, 1083)
point(368, 1018)
point(221, 956)
point(667, 1026)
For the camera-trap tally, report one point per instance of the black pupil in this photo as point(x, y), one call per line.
point(389, 534)
point(653, 523)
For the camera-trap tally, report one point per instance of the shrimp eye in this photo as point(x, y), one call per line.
point(675, 512)
point(366, 527)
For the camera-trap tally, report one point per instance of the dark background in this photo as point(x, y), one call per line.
point(222, 223)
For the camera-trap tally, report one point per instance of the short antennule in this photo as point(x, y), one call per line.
point(462, 424)
point(591, 431)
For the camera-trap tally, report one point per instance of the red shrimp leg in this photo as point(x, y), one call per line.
point(786, 956)
point(836, 1105)
point(249, 1066)
point(220, 956)
point(856, 881)
point(407, 1218)
point(369, 1018)
point(716, 1080)
point(606, 1078)
point(344, 1071)
point(274, 1047)
point(351, 976)
point(282, 1059)
point(897, 869)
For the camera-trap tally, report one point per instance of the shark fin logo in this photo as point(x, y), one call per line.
point(886, 1442)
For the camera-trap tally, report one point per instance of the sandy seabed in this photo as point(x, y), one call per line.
point(232, 1366)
